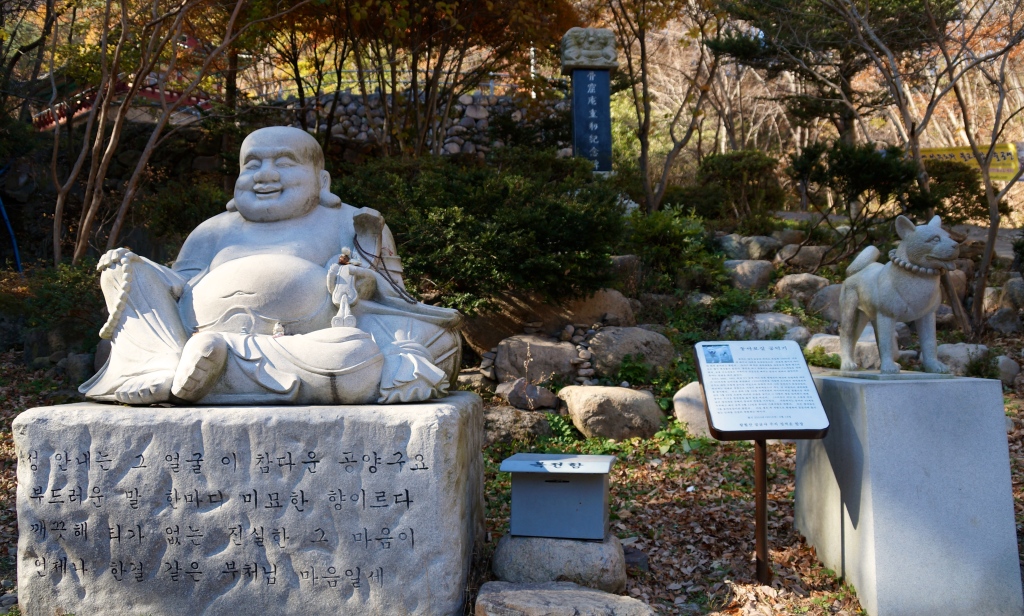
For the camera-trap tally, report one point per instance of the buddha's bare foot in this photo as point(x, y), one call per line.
point(146, 389)
point(201, 364)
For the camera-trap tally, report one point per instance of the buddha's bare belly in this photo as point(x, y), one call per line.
point(251, 294)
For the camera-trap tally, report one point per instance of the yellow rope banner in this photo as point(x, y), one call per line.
point(1004, 165)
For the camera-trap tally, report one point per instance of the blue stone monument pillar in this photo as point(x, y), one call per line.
point(588, 55)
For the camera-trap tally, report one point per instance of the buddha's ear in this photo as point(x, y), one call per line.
point(231, 206)
point(327, 198)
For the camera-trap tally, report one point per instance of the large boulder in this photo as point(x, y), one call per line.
point(826, 303)
point(801, 257)
point(1005, 321)
point(553, 599)
point(749, 274)
point(610, 345)
point(800, 287)
point(688, 404)
point(789, 236)
point(957, 356)
point(761, 246)
point(504, 424)
point(597, 564)
point(1013, 293)
point(612, 412)
point(534, 358)
point(733, 246)
point(511, 311)
point(759, 326)
point(799, 334)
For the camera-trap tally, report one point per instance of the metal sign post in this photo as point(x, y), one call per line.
point(757, 390)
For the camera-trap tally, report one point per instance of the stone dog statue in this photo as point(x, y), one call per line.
point(903, 290)
point(289, 297)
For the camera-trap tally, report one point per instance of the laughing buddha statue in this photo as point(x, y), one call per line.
point(288, 297)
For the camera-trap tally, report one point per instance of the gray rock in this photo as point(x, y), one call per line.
point(596, 564)
point(529, 397)
point(635, 558)
point(957, 356)
point(553, 599)
point(535, 358)
point(79, 367)
point(761, 247)
point(611, 345)
point(752, 275)
point(1005, 321)
point(944, 317)
point(866, 351)
point(767, 305)
point(801, 257)
point(991, 301)
point(505, 424)
point(759, 326)
point(688, 404)
point(1008, 370)
point(466, 99)
point(476, 382)
point(477, 112)
point(700, 299)
point(800, 334)
point(254, 472)
point(612, 412)
point(800, 287)
point(958, 280)
point(826, 302)
point(789, 236)
point(1013, 293)
point(733, 247)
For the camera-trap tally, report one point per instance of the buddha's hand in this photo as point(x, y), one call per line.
point(113, 258)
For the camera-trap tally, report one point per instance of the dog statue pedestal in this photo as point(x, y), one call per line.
point(908, 497)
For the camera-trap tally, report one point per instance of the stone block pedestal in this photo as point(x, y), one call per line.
point(233, 510)
point(908, 497)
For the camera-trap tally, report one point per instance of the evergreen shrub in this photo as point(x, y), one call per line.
point(468, 230)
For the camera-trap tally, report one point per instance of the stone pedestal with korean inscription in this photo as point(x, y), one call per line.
point(232, 510)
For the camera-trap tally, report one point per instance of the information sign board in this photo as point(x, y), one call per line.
point(759, 389)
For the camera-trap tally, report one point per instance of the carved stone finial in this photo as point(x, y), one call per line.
point(588, 48)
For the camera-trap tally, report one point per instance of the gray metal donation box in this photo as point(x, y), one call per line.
point(561, 496)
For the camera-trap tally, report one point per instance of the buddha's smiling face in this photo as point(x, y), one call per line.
point(278, 180)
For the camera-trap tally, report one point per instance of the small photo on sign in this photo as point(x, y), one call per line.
point(718, 354)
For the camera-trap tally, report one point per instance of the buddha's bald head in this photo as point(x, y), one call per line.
point(304, 145)
point(281, 176)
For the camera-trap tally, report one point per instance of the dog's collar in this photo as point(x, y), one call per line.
point(910, 267)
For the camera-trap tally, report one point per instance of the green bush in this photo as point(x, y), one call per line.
point(171, 210)
point(467, 231)
point(65, 298)
point(956, 193)
point(676, 250)
point(740, 186)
